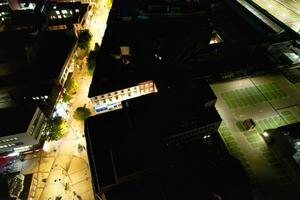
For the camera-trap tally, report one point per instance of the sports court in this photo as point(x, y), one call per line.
point(253, 95)
point(271, 101)
point(286, 11)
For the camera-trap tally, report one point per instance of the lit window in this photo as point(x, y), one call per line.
point(77, 10)
point(46, 97)
point(64, 16)
point(71, 12)
point(151, 84)
point(37, 98)
point(64, 12)
point(146, 84)
point(59, 17)
point(33, 98)
point(54, 7)
point(57, 12)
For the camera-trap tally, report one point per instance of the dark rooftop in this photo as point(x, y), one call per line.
point(143, 124)
point(153, 38)
point(16, 119)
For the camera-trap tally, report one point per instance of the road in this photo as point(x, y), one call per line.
point(63, 169)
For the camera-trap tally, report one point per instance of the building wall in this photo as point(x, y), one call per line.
point(113, 97)
point(202, 132)
point(24, 141)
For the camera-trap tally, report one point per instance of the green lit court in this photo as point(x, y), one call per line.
point(288, 116)
point(264, 124)
point(287, 11)
point(231, 144)
point(250, 96)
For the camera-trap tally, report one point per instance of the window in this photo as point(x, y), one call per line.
point(122, 91)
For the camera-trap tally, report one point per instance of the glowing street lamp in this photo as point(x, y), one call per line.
point(265, 134)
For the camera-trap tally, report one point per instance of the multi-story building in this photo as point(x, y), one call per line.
point(20, 129)
point(31, 82)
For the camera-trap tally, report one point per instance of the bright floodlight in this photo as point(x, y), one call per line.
point(265, 134)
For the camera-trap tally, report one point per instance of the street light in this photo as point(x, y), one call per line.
point(265, 134)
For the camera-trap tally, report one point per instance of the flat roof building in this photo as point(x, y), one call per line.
point(153, 139)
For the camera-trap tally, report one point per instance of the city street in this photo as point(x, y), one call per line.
point(62, 170)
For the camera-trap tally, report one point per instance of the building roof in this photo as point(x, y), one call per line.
point(154, 50)
point(143, 124)
point(52, 53)
point(16, 120)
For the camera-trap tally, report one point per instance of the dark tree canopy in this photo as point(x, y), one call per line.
point(84, 39)
point(55, 128)
point(81, 113)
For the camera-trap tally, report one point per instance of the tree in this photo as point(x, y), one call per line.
point(71, 86)
point(84, 39)
point(55, 128)
point(81, 113)
point(91, 60)
point(109, 3)
point(66, 98)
